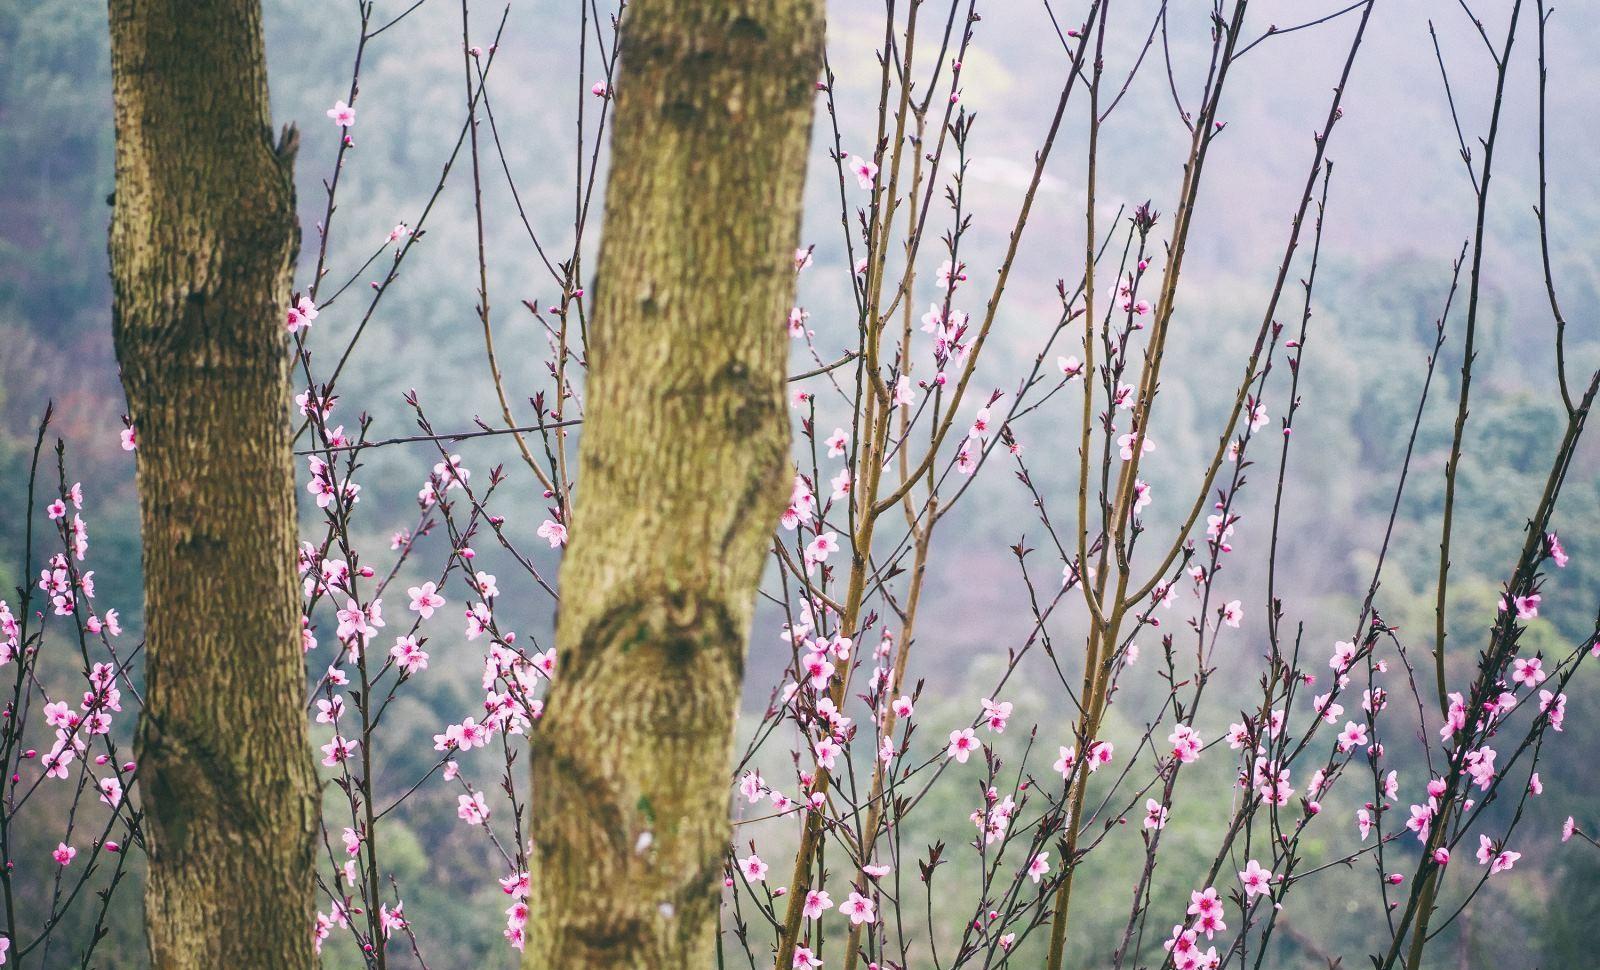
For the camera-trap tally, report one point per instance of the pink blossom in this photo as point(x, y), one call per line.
point(425, 599)
point(1528, 671)
point(300, 315)
point(1256, 880)
point(753, 868)
point(472, 809)
point(1554, 706)
point(1186, 743)
point(1503, 861)
point(342, 114)
point(962, 744)
point(1421, 820)
point(1126, 443)
point(859, 908)
point(865, 172)
point(408, 655)
point(1527, 606)
point(1553, 544)
point(554, 532)
point(818, 549)
point(817, 902)
point(338, 750)
point(1208, 910)
point(1353, 736)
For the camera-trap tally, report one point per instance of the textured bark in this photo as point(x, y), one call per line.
point(203, 236)
point(682, 474)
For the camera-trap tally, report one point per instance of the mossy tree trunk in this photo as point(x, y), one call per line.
point(203, 237)
point(682, 474)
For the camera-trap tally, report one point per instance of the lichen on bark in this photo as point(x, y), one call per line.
point(682, 473)
point(203, 238)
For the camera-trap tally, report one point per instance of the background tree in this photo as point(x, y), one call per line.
point(682, 460)
point(203, 236)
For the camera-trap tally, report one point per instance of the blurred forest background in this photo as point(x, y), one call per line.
point(1400, 208)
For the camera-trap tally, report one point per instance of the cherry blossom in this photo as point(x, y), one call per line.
point(962, 744)
point(554, 532)
point(1127, 441)
point(859, 908)
point(342, 114)
point(1207, 909)
point(1492, 855)
point(1353, 736)
point(817, 902)
point(300, 315)
point(1256, 880)
point(425, 599)
point(819, 548)
point(472, 809)
point(1553, 545)
point(753, 868)
point(409, 655)
point(1421, 820)
point(1554, 706)
point(995, 715)
point(1528, 671)
point(865, 172)
point(338, 750)
point(1186, 743)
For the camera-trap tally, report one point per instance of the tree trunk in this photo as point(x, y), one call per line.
point(682, 473)
point(203, 237)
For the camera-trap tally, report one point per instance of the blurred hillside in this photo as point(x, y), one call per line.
point(1400, 208)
